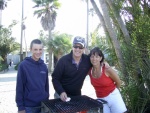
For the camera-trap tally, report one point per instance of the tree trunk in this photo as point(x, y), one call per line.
point(107, 26)
point(120, 22)
point(0, 17)
point(112, 35)
point(99, 16)
point(51, 61)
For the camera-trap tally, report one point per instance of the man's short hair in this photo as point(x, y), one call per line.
point(35, 41)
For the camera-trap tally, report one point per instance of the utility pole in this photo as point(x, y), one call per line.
point(21, 52)
point(87, 28)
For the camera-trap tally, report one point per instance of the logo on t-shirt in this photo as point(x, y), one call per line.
point(42, 72)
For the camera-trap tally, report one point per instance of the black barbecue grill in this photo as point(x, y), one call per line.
point(76, 104)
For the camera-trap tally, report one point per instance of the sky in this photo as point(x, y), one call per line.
point(71, 18)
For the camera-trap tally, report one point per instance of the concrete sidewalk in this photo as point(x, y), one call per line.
point(8, 86)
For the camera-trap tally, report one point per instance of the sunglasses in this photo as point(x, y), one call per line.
point(80, 47)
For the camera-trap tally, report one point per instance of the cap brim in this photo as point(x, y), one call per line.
point(80, 43)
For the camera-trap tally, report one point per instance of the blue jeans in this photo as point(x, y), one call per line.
point(33, 109)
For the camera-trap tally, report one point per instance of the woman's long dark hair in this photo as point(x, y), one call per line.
point(96, 50)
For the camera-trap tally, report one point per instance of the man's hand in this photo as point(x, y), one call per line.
point(106, 65)
point(63, 96)
point(23, 111)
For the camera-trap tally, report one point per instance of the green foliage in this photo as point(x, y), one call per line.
point(136, 87)
point(7, 42)
point(132, 96)
point(1, 59)
point(135, 92)
point(3, 67)
point(16, 66)
point(60, 45)
point(140, 33)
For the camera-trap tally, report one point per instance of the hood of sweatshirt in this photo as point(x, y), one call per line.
point(40, 61)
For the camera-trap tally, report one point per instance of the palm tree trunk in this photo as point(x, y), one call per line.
point(120, 22)
point(99, 16)
point(112, 35)
point(51, 61)
point(0, 17)
point(107, 26)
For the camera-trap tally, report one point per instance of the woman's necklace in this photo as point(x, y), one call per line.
point(96, 72)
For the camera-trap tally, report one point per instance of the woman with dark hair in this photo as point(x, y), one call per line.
point(106, 83)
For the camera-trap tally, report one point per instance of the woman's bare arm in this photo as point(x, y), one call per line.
point(114, 76)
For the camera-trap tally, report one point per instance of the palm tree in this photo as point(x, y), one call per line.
point(46, 10)
point(60, 45)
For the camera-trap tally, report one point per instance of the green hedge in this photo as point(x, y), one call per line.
point(16, 67)
point(4, 67)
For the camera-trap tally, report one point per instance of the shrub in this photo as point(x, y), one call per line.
point(16, 67)
point(3, 67)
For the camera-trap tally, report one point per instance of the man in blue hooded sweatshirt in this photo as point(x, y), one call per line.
point(32, 81)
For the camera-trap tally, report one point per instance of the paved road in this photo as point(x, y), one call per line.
point(8, 85)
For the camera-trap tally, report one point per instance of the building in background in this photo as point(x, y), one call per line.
point(15, 58)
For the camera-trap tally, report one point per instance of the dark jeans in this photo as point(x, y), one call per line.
point(33, 109)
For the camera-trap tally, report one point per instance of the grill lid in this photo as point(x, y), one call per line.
point(76, 104)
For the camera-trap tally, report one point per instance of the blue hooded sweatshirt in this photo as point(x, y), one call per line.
point(32, 83)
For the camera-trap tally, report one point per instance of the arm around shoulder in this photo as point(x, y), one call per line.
point(107, 66)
